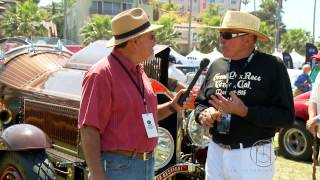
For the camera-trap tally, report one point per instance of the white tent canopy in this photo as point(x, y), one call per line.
point(180, 59)
point(215, 54)
point(297, 59)
point(196, 55)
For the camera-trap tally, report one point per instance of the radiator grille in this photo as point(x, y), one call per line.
point(58, 122)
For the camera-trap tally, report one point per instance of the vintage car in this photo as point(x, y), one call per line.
point(296, 142)
point(40, 88)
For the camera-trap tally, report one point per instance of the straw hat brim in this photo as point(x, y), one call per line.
point(113, 42)
point(261, 37)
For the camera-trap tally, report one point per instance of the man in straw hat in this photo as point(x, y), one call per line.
point(118, 109)
point(246, 95)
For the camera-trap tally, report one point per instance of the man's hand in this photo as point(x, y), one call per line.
point(90, 142)
point(208, 116)
point(233, 106)
point(187, 103)
point(312, 126)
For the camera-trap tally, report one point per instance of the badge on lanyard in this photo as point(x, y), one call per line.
point(150, 125)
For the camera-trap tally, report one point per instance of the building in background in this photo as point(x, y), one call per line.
point(199, 6)
point(234, 5)
point(183, 28)
point(79, 14)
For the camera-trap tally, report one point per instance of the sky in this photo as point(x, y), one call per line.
point(296, 14)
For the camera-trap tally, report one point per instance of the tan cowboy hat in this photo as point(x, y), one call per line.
point(242, 22)
point(128, 25)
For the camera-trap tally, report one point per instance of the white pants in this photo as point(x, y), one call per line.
point(253, 163)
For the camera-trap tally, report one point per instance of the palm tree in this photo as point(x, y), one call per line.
point(208, 39)
point(171, 6)
point(98, 27)
point(25, 19)
point(267, 47)
point(167, 34)
point(295, 39)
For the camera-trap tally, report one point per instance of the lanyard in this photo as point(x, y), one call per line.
point(140, 90)
point(238, 76)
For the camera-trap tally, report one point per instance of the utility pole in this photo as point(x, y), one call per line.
point(314, 20)
point(277, 24)
point(189, 31)
point(65, 19)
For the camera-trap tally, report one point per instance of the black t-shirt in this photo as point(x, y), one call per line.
point(262, 84)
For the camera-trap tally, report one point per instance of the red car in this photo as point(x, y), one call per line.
point(296, 142)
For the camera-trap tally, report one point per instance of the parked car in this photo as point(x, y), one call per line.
point(40, 88)
point(296, 142)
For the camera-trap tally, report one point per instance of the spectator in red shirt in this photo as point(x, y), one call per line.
point(119, 114)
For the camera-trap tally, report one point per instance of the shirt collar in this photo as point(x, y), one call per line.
point(126, 61)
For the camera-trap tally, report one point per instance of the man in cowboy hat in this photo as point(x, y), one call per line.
point(118, 109)
point(246, 95)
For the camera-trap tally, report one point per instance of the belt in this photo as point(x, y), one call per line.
point(241, 145)
point(133, 154)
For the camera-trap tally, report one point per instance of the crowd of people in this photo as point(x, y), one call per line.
point(237, 102)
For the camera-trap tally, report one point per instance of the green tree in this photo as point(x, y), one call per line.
point(267, 47)
point(318, 44)
point(267, 13)
point(208, 39)
point(156, 9)
point(24, 19)
point(58, 20)
point(295, 39)
point(98, 27)
point(171, 6)
point(167, 34)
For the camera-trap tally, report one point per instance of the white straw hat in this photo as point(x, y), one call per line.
point(242, 22)
point(128, 25)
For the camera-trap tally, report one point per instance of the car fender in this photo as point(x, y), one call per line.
point(301, 109)
point(23, 137)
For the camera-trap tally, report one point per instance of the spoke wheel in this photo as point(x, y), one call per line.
point(295, 142)
point(25, 165)
point(11, 173)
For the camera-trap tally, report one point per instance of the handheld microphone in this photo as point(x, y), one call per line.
point(203, 64)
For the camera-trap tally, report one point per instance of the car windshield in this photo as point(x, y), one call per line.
point(63, 83)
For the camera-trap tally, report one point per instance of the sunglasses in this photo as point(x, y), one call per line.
point(231, 35)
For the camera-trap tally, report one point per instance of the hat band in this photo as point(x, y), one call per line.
point(133, 32)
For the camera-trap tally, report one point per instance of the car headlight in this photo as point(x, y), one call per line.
point(199, 136)
point(165, 148)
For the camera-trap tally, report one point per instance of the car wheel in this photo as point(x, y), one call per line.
point(26, 165)
point(295, 142)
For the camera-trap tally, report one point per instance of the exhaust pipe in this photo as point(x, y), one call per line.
point(5, 116)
